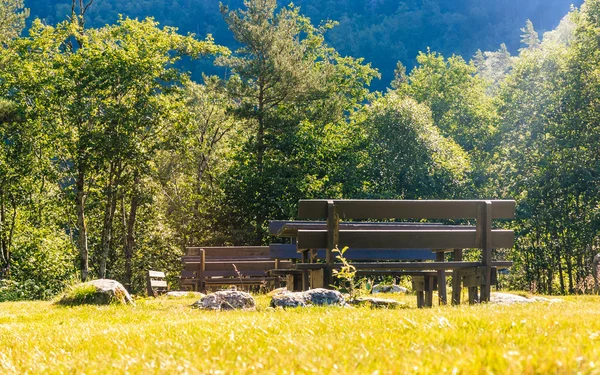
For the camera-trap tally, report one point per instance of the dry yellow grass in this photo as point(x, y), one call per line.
point(166, 336)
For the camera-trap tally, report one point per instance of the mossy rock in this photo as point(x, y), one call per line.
point(96, 292)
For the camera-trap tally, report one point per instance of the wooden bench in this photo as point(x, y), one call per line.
point(156, 283)
point(439, 237)
point(242, 266)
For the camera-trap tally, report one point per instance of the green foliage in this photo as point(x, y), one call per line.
point(407, 157)
point(12, 19)
point(43, 258)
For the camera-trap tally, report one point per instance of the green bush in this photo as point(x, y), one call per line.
point(42, 265)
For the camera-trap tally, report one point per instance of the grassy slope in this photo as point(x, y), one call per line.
point(166, 336)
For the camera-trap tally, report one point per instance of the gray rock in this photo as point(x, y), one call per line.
point(322, 297)
point(290, 299)
point(379, 288)
point(97, 292)
point(379, 303)
point(184, 293)
point(313, 297)
point(226, 300)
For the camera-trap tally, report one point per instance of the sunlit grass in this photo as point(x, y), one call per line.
point(166, 336)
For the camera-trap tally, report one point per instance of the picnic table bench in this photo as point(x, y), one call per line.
point(438, 237)
point(243, 266)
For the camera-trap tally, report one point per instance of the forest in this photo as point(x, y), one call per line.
point(124, 140)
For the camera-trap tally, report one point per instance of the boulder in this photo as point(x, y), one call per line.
point(379, 288)
point(226, 300)
point(97, 292)
point(313, 297)
point(378, 303)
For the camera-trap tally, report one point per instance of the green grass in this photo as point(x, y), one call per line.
point(166, 336)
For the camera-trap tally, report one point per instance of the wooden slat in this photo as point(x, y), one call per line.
point(230, 251)
point(404, 209)
point(245, 281)
point(197, 259)
point(244, 266)
point(290, 228)
point(231, 273)
point(407, 265)
point(158, 283)
point(158, 274)
point(288, 251)
point(422, 239)
point(394, 273)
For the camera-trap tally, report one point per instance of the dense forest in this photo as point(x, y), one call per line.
point(114, 158)
point(382, 32)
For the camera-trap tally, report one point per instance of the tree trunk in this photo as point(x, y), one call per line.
point(82, 240)
point(260, 145)
point(130, 228)
point(3, 235)
point(109, 215)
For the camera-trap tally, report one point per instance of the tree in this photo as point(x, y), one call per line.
point(408, 158)
point(283, 74)
point(529, 36)
point(109, 98)
point(493, 67)
point(12, 19)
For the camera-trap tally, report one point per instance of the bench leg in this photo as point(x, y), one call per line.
point(420, 299)
point(429, 287)
point(441, 275)
point(456, 284)
point(473, 297)
point(305, 280)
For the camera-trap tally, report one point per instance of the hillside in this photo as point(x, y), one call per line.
point(381, 31)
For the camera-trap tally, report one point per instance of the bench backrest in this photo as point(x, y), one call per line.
point(230, 252)
point(404, 209)
point(156, 282)
point(230, 261)
point(440, 237)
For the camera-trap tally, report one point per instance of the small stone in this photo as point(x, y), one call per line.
point(379, 303)
point(226, 300)
point(379, 288)
point(184, 293)
point(509, 299)
point(278, 291)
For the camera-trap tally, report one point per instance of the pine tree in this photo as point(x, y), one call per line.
point(529, 36)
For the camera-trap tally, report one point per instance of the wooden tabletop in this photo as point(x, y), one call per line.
point(282, 228)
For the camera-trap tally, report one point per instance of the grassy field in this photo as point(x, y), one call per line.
point(166, 336)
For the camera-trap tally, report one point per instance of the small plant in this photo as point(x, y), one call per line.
point(346, 275)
